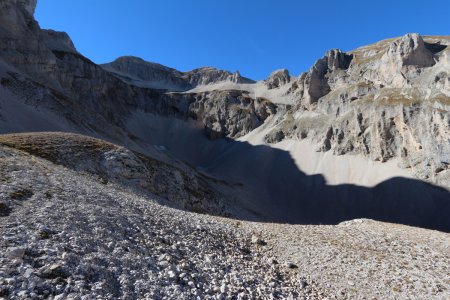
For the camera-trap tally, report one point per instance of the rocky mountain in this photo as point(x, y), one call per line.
point(108, 148)
point(138, 72)
point(278, 78)
point(384, 101)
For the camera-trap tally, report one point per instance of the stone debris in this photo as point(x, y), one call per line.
point(107, 243)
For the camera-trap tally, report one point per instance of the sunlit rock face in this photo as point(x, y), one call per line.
point(389, 100)
point(278, 78)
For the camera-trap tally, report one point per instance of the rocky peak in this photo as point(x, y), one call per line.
point(141, 69)
point(58, 41)
point(410, 50)
point(278, 78)
point(338, 60)
point(236, 77)
point(150, 74)
point(209, 75)
point(315, 83)
point(131, 63)
point(401, 61)
point(138, 71)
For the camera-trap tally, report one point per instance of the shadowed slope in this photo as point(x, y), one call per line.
point(182, 188)
point(273, 186)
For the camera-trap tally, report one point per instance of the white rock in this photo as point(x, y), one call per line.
point(28, 273)
point(172, 274)
point(15, 252)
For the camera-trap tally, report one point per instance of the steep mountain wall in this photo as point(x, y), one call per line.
point(384, 101)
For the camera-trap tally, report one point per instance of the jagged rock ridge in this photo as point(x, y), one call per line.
point(136, 71)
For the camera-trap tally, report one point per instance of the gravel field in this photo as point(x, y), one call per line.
point(68, 236)
point(366, 259)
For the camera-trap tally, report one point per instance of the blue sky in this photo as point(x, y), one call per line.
point(254, 37)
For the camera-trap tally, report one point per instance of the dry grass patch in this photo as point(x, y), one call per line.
point(51, 145)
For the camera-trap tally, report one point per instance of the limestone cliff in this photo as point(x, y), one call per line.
point(387, 100)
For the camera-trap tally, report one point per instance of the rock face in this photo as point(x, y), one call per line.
point(387, 100)
point(278, 78)
point(56, 77)
point(230, 113)
point(20, 41)
point(58, 41)
point(410, 50)
point(316, 83)
point(337, 60)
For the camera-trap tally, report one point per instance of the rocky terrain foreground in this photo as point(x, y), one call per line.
point(71, 235)
point(132, 180)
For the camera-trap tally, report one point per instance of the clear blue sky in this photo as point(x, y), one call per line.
point(254, 37)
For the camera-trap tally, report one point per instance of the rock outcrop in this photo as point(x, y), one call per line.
point(326, 71)
point(230, 113)
point(58, 41)
point(208, 75)
point(28, 5)
point(410, 50)
point(278, 78)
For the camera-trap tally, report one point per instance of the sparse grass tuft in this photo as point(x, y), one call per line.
point(54, 145)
